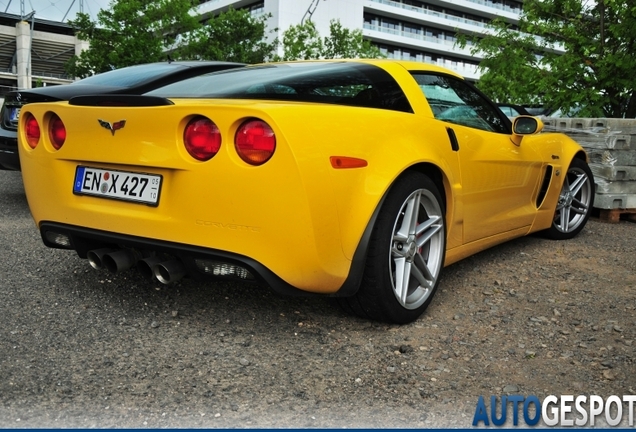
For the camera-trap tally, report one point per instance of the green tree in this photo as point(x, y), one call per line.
point(130, 32)
point(303, 42)
point(234, 35)
point(595, 73)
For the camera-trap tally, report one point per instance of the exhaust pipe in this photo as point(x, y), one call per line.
point(120, 260)
point(96, 257)
point(146, 266)
point(169, 271)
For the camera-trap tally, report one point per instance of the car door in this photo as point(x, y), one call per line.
point(499, 179)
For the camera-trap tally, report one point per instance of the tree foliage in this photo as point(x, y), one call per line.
point(234, 35)
point(303, 42)
point(565, 53)
point(129, 33)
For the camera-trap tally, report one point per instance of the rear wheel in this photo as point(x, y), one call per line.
point(575, 202)
point(406, 254)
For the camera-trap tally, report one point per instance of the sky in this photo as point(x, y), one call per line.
point(53, 10)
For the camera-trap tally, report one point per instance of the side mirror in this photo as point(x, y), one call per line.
point(525, 125)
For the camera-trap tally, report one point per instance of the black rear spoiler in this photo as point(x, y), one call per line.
point(120, 101)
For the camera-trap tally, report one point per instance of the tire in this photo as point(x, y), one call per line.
point(405, 255)
point(575, 202)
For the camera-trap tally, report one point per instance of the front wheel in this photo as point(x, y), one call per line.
point(575, 202)
point(406, 254)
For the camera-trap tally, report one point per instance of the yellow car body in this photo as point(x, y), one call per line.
point(299, 221)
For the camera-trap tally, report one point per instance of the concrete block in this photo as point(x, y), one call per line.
point(613, 173)
point(615, 187)
point(604, 141)
point(615, 201)
point(612, 157)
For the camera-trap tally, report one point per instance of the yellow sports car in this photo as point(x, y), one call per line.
point(358, 179)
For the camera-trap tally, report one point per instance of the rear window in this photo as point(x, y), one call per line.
point(131, 76)
point(355, 84)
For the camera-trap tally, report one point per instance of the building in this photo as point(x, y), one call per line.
point(33, 52)
point(419, 30)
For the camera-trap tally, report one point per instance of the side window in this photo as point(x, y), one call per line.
point(454, 101)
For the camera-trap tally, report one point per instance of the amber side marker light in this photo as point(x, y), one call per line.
point(31, 130)
point(57, 131)
point(343, 162)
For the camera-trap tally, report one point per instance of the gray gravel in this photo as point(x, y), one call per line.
point(81, 348)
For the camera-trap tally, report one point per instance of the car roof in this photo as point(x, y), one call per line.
point(132, 79)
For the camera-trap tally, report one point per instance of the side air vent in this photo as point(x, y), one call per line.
point(119, 100)
point(545, 184)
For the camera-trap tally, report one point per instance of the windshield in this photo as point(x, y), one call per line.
point(343, 83)
point(131, 76)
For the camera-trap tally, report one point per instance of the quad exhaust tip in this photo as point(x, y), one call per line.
point(168, 272)
point(120, 260)
point(146, 266)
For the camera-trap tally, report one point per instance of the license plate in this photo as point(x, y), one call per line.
point(14, 114)
point(119, 185)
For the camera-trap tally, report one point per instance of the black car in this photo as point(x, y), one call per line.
point(129, 80)
point(511, 110)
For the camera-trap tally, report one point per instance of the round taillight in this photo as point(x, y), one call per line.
point(255, 142)
point(57, 131)
point(202, 138)
point(31, 130)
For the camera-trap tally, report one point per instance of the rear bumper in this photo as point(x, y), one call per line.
point(84, 240)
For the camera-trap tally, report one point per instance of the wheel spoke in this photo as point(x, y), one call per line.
point(417, 274)
point(410, 217)
point(422, 267)
point(424, 238)
point(426, 224)
point(565, 218)
point(402, 277)
point(580, 181)
point(580, 208)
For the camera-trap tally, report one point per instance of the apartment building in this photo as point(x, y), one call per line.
point(418, 30)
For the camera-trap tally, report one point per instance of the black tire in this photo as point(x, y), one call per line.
point(394, 252)
point(575, 202)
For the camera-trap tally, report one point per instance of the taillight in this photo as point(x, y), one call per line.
point(32, 130)
point(202, 138)
point(57, 131)
point(255, 142)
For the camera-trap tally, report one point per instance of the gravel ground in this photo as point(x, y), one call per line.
point(81, 348)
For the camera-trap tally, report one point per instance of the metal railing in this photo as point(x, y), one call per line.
point(412, 35)
point(418, 9)
point(431, 13)
point(36, 74)
point(499, 6)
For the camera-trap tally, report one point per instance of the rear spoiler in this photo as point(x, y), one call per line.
point(120, 101)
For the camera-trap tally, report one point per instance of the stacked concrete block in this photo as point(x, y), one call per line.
point(611, 146)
